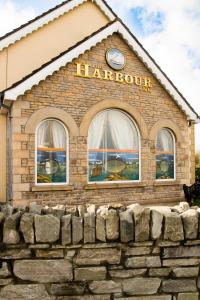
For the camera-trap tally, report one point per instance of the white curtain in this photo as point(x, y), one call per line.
point(97, 131)
point(51, 134)
point(165, 141)
point(123, 132)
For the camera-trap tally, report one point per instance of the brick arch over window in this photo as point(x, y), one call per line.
point(166, 123)
point(135, 114)
point(55, 113)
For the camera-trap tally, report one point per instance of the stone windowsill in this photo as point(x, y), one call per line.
point(166, 183)
point(41, 188)
point(97, 186)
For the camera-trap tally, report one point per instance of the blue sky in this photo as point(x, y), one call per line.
point(169, 30)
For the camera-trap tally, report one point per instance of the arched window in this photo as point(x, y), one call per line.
point(165, 155)
point(51, 158)
point(113, 148)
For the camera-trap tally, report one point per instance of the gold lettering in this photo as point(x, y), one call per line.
point(147, 82)
point(129, 79)
point(138, 80)
point(97, 74)
point(82, 70)
point(108, 75)
point(119, 77)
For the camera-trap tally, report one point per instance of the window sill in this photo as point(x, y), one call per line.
point(41, 188)
point(98, 186)
point(166, 183)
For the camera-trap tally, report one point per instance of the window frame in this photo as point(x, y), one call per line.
point(139, 152)
point(174, 148)
point(67, 154)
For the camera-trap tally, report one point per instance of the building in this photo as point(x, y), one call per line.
point(87, 116)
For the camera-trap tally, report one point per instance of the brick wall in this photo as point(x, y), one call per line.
point(77, 96)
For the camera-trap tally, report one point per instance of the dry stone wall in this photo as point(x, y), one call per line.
point(104, 253)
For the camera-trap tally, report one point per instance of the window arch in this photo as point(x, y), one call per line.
point(165, 155)
point(114, 143)
point(51, 153)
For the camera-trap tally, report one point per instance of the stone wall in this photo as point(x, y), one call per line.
point(112, 252)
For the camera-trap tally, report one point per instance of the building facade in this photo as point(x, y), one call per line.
point(87, 116)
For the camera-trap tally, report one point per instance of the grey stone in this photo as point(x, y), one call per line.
point(188, 296)
point(127, 273)
point(90, 273)
point(142, 220)
point(126, 226)
point(86, 297)
point(15, 254)
point(53, 253)
point(178, 285)
point(4, 270)
point(104, 287)
point(183, 206)
point(58, 211)
point(186, 272)
point(66, 229)
point(35, 209)
point(159, 272)
point(43, 271)
point(190, 223)
point(156, 227)
point(198, 283)
point(179, 262)
point(47, 229)
point(143, 262)
point(154, 297)
point(100, 228)
point(69, 289)
point(89, 227)
point(6, 281)
point(182, 251)
point(139, 286)
point(24, 292)
point(26, 227)
point(10, 229)
point(112, 225)
point(98, 256)
point(134, 251)
point(173, 229)
point(7, 210)
point(77, 229)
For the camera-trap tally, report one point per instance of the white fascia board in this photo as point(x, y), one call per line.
point(50, 17)
point(20, 89)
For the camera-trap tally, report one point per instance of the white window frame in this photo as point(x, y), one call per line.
point(67, 154)
point(139, 146)
point(174, 147)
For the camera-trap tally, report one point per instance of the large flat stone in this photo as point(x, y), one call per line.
point(85, 297)
point(186, 272)
point(179, 285)
point(24, 292)
point(182, 251)
point(143, 262)
point(127, 273)
point(66, 229)
point(90, 273)
point(126, 226)
point(10, 229)
point(112, 225)
point(142, 222)
point(190, 222)
point(137, 251)
point(173, 229)
point(68, 289)
point(27, 229)
point(89, 227)
point(43, 271)
point(141, 286)
point(181, 262)
point(105, 287)
point(47, 229)
point(77, 229)
point(154, 297)
point(98, 256)
point(156, 224)
point(188, 296)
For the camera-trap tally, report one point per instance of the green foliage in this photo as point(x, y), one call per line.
point(197, 174)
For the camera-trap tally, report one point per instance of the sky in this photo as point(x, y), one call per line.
point(168, 29)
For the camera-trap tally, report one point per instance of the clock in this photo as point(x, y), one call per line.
point(115, 59)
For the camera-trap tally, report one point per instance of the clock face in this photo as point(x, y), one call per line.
point(115, 59)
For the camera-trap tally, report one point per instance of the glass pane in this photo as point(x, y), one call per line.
point(165, 155)
point(113, 148)
point(51, 153)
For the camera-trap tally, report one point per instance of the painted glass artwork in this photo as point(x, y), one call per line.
point(113, 148)
point(51, 153)
point(165, 155)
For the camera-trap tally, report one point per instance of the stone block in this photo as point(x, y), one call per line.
point(182, 251)
point(68, 289)
point(5, 270)
point(105, 287)
point(127, 273)
point(159, 272)
point(15, 254)
point(190, 222)
point(10, 229)
point(66, 229)
point(135, 251)
point(142, 222)
point(181, 262)
point(126, 226)
point(112, 225)
point(24, 291)
point(143, 262)
point(89, 227)
point(179, 285)
point(154, 297)
point(141, 286)
point(77, 229)
point(186, 272)
point(47, 229)
point(173, 229)
point(100, 228)
point(98, 256)
point(188, 296)
point(156, 224)
point(53, 253)
point(27, 229)
point(90, 273)
point(35, 209)
point(43, 271)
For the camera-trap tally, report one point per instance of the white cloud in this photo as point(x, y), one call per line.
point(12, 16)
